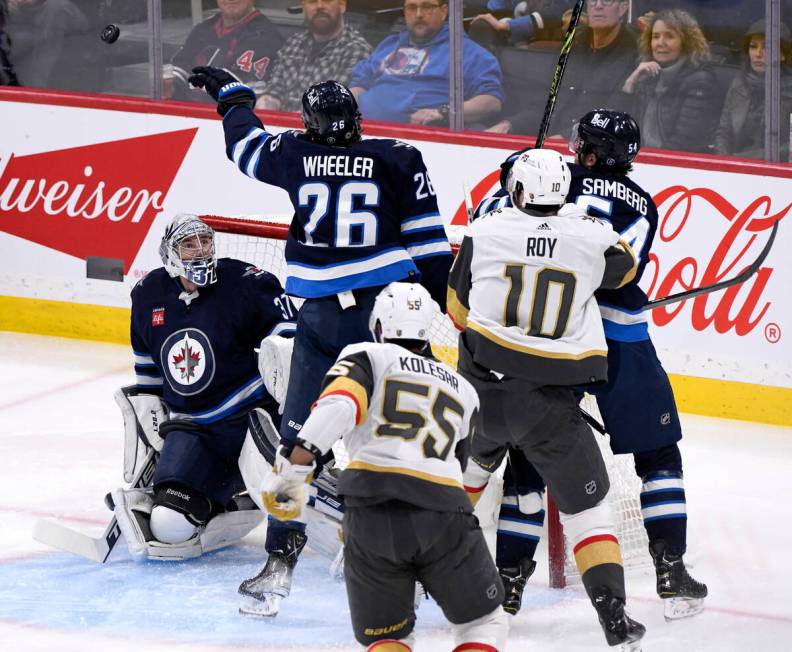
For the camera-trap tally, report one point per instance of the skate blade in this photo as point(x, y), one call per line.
point(678, 608)
point(267, 608)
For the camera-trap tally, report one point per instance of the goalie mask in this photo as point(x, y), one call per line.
point(402, 311)
point(612, 135)
point(330, 114)
point(187, 249)
point(538, 177)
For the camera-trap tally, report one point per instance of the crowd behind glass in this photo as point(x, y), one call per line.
point(691, 72)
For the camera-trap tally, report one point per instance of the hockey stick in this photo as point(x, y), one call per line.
point(96, 549)
point(743, 276)
point(558, 74)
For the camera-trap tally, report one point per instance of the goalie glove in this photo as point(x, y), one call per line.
point(283, 491)
point(224, 88)
point(274, 364)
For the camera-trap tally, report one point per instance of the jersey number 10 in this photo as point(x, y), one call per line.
point(546, 279)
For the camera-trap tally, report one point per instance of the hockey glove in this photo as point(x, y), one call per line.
point(224, 88)
point(283, 491)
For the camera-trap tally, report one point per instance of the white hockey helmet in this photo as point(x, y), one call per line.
point(188, 249)
point(402, 311)
point(539, 177)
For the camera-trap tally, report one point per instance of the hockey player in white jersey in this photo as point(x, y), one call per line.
point(405, 419)
point(522, 292)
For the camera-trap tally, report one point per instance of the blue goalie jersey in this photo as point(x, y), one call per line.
point(633, 214)
point(365, 214)
point(199, 355)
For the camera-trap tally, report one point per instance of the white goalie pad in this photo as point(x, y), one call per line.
point(274, 363)
point(133, 509)
point(254, 468)
point(143, 414)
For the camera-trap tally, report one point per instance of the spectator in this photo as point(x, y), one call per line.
point(602, 56)
point(328, 49)
point(507, 21)
point(239, 38)
point(42, 34)
point(674, 89)
point(406, 77)
point(741, 128)
point(7, 73)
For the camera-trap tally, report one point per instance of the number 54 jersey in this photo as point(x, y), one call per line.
point(413, 415)
point(522, 290)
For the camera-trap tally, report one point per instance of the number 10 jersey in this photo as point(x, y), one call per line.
point(522, 290)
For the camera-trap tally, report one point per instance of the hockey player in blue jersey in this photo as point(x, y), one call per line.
point(365, 215)
point(195, 324)
point(637, 403)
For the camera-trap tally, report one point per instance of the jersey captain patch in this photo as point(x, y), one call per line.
point(188, 358)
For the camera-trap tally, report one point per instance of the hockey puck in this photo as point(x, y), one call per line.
point(110, 33)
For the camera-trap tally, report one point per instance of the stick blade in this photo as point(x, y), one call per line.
point(52, 533)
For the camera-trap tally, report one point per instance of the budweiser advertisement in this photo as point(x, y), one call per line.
point(83, 182)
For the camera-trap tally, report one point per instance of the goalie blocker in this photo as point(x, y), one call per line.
point(170, 521)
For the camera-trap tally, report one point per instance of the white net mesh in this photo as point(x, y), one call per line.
point(268, 254)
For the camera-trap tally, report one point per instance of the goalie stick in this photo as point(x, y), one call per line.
point(98, 549)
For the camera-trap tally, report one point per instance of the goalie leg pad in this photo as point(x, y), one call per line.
point(132, 509)
point(169, 526)
point(143, 414)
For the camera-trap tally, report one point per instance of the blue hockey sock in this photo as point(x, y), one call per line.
point(664, 509)
point(278, 531)
point(518, 533)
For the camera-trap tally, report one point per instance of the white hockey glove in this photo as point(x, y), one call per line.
point(274, 363)
point(283, 491)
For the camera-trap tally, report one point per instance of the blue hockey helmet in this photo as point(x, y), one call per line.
point(188, 249)
point(613, 136)
point(331, 115)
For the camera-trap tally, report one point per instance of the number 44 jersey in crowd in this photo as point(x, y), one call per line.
point(365, 214)
point(413, 415)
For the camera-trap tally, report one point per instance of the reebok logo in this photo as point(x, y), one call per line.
point(94, 200)
point(178, 494)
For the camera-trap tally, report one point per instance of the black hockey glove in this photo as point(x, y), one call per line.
point(224, 88)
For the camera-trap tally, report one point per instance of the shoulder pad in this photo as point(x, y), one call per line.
point(572, 211)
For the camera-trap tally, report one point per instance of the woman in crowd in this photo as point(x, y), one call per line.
point(741, 128)
point(673, 88)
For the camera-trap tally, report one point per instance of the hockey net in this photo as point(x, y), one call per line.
point(262, 243)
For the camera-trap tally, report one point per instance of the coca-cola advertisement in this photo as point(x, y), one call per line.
point(79, 182)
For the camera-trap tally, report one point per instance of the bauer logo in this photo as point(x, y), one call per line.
point(188, 358)
point(95, 200)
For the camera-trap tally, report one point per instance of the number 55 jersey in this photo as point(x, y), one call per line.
point(407, 434)
point(522, 290)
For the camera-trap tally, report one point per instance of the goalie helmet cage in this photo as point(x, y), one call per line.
point(262, 242)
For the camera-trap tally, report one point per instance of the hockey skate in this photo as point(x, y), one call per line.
point(682, 595)
point(514, 580)
point(619, 628)
point(264, 592)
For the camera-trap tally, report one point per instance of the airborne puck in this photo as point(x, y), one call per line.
point(110, 33)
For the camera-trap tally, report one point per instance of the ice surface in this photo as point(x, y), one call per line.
point(60, 452)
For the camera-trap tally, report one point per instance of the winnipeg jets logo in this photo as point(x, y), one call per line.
point(189, 360)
